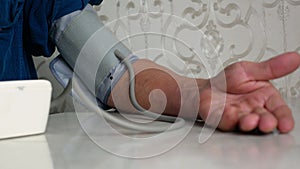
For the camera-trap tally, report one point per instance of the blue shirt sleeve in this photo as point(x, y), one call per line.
point(38, 18)
point(10, 12)
point(15, 63)
point(24, 31)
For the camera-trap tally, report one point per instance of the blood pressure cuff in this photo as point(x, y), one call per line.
point(87, 48)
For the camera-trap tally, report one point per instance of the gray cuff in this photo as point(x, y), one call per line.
point(112, 78)
point(109, 80)
point(60, 24)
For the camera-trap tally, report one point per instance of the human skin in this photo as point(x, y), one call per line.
point(252, 102)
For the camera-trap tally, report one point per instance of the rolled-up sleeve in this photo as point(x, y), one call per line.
point(38, 18)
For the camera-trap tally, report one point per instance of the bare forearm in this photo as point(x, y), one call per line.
point(247, 100)
point(158, 89)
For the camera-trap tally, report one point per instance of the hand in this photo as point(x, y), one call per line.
point(251, 100)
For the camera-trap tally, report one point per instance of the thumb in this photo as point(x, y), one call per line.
point(273, 68)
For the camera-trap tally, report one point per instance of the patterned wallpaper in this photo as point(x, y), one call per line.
point(198, 37)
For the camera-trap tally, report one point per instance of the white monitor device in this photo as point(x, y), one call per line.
point(24, 107)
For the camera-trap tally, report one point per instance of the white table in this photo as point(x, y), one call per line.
point(66, 146)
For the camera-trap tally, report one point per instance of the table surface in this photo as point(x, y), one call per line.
point(68, 143)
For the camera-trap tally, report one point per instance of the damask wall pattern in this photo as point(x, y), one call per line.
point(199, 37)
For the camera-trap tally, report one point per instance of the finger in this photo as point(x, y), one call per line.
point(285, 119)
point(248, 122)
point(229, 119)
point(276, 105)
point(273, 68)
point(267, 122)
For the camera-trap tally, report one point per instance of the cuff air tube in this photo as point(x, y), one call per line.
point(92, 51)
